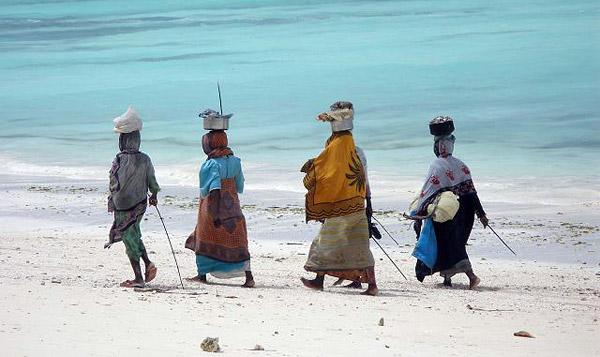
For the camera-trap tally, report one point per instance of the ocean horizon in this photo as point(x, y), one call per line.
point(521, 80)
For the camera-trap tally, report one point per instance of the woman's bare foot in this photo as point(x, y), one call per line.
point(474, 282)
point(132, 284)
point(372, 290)
point(316, 284)
point(249, 280)
point(150, 272)
point(248, 284)
point(198, 279)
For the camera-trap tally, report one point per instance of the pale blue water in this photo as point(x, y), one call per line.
point(521, 79)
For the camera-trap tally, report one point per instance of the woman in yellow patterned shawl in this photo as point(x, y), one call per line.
point(336, 181)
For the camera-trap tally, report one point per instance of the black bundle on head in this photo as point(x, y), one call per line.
point(442, 125)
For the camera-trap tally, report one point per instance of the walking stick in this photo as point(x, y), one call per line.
point(501, 240)
point(374, 232)
point(172, 251)
point(387, 255)
point(386, 231)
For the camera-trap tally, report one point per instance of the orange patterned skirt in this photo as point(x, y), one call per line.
point(229, 241)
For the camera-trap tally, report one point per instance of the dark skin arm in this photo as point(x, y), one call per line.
point(214, 202)
point(153, 200)
point(484, 221)
point(153, 187)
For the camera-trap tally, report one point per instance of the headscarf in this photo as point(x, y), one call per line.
point(130, 143)
point(443, 145)
point(336, 180)
point(214, 144)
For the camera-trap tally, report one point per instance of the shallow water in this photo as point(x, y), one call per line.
point(522, 80)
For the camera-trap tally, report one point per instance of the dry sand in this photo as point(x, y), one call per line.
point(60, 293)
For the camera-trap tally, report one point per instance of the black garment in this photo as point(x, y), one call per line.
point(452, 236)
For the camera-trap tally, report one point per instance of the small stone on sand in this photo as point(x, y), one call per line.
point(210, 344)
point(523, 334)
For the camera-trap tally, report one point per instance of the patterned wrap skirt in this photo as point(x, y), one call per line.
point(223, 250)
point(341, 249)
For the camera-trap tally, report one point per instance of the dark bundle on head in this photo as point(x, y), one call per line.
point(441, 125)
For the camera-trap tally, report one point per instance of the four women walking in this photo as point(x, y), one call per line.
point(338, 186)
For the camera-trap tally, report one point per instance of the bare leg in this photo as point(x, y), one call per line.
point(473, 279)
point(372, 289)
point(316, 283)
point(150, 267)
point(137, 270)
point(145, 257)
point(249, 280)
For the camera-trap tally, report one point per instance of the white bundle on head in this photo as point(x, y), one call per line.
point(340, 116)
point(338, 111)
point(128, 122)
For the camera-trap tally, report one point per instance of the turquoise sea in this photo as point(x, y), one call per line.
point(521, 79)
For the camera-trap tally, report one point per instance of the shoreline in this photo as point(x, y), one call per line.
point(82, 203)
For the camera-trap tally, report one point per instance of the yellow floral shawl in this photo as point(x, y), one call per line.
point(335, 180)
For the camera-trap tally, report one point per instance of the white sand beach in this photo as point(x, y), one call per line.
point(60, 293)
